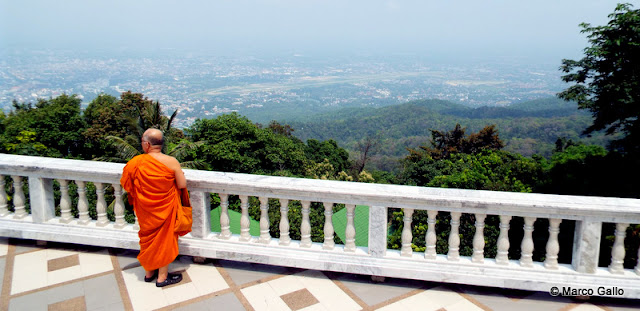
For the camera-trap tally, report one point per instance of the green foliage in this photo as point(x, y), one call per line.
point(233, 143)
point(607, 79)
point(55, 123)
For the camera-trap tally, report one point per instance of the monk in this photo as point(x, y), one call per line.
point(153, 181)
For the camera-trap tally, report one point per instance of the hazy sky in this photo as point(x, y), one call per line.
point(544, 28)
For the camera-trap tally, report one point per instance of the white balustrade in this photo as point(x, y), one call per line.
point(407, 236)
point(430, 238)
point(18, 198)
point(328, 244)
point(553, 246)
point(589, 213)
point(83, 203)
point(4, 210)
point(350, 230)
point(284, 222)
point(478, 240)
point(265, 236)
point(65, 202)
point(225, 231)
point(618, 252)
point(118, 206)
point(101, 206)
point(526, 248)
point(502, 257)
point(454, 238)
point(305, 226)
point(245, 223)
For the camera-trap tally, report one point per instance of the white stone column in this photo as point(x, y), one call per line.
point(526, 248)
point(83, 203)
point(454, 238)
point(478, 240)
point(305, 226)
point(4, 210)
point(201, 212)
point(586, 246)
point(329, 244)
point(553, 246)
point(407, 235)
point(41, 198)
point(244, 219)
point(350, 231)
point(430, 237)
point(65, 202)
point(265, 236)
point(618, 252)
point(101, 206)
point(284, 222)
point(18, 198)
point(502, 257)
point(118, 206)
point(225, 231)
point(377, 231)
point(638, 264)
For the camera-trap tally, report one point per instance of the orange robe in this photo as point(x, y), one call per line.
point(156, 198)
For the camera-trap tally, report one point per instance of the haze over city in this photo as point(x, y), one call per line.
point(542, 30)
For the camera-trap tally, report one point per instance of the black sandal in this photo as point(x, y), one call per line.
point(153, 277)
point(171, 279)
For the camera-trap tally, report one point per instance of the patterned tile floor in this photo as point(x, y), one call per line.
point(57, 276)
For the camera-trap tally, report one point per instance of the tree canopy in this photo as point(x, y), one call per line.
point(607, 78)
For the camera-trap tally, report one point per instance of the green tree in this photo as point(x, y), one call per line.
point(57, 124)
point(133, 114)
point(233, 143)
point(607, 78)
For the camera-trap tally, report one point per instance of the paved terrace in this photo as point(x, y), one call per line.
point(58, 276)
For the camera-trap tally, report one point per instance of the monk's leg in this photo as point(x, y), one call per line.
point(162, 273)
point(150, 274)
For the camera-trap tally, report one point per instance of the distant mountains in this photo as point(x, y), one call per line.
point(527, 128)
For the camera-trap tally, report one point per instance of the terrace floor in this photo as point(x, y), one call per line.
point(58, 276)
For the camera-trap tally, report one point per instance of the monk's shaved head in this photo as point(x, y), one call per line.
point(154, 137)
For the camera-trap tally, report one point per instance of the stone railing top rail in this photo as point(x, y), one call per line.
point(604, 209)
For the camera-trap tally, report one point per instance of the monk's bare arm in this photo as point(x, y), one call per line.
point(181, 181)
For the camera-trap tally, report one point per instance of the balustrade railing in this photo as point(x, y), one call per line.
point(101, 220)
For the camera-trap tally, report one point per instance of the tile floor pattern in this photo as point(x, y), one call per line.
point(57, 276)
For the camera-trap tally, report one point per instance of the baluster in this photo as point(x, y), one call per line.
point(101, 206)
point(553, 247)
point(118, 208)
point(244, 219)
point(526, 248)
point(65, 202)
point(502, 258)
point(328, 226)
point(18, 198)
point(265, 237)
point(83, 203)
point(225, 231)
point(136, 225)
point(284, 222)
point(407, 236)
point(430, 237)
point(305, 226)
point(350, 231)
point(478, 240)
point(454, 238)
point(4, 211)
point(638, 264)
point(618, 252)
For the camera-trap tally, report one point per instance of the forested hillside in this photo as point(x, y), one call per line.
point(527, 128)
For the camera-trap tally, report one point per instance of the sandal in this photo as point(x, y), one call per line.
point(171, 279)
point(153, 277)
